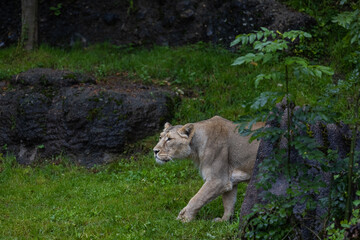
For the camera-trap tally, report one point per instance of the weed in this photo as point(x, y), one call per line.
point(56, 9)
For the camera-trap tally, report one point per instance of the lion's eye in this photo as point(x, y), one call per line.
point(169, 139)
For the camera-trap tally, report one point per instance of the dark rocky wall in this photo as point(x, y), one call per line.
point(161, 22)
point(47, 112)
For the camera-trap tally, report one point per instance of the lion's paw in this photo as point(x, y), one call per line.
point(218, 219)
point(185, 215)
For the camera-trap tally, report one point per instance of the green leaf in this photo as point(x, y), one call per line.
point(259, 35)
point(258, 79)
point(345, 19)
point(244, 40)
point(354, 38)
point(261, 45)
point(244, 59)
point(264, 98)
point(318, 73)
point(297, 61)
point(258, 57)
point(267, 57)
point(239, 61)
point(307, 35)
point(327, 70)
point(235, 42)
point(275, 76)
point(252, 38)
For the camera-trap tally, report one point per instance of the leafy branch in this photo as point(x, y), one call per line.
point(274, 48)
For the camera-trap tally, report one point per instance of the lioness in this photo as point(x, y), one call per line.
point(223, 156)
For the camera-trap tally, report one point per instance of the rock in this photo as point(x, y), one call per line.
point(168, 21)
point(209, 31)
point(50, 112)
point(46, 77)
point(238, 4)
point(353, 232)
point(184, 21)
point(183, 5)
point(333, 136)
point(110, 18)
point(187, 13)
point(78, 38)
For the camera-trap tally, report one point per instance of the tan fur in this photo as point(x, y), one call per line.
point(223, 156)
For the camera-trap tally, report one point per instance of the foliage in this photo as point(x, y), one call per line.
point(340, 234)
point(277, 50)
point(350, 91)
point(342, 97)
point(56, 9)
point(131, 8)
point(278, 219)
point(271, 222)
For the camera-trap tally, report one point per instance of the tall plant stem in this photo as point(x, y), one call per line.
point(351, 160)
point(288, 119)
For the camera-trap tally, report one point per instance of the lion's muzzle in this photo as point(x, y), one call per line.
point(158, 159)
point(161, 161)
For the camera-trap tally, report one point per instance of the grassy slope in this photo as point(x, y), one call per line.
point(216, 87)
point(128, 200)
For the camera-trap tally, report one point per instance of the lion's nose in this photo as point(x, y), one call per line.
point(156, 151)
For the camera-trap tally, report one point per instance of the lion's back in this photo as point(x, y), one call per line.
point(221, 133)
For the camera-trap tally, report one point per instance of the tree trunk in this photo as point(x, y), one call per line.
point(29, 21)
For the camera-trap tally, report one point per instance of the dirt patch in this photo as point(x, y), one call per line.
point(139, 22)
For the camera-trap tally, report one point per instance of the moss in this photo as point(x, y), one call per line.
point(94, 99)
point(48, 92)
point(43, 80)
point(118, 102)
point(325, 139)
point(122, 117)
point(71, 76)
point(13, 122)
point(92, 114)
point(308, 131)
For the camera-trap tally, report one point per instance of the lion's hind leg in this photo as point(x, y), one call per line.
point(229, 200)
point(238, 176)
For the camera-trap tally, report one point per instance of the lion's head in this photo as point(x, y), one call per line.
point(174, 143)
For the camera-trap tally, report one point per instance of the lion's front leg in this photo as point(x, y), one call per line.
point(209, 191)
point(186, 215)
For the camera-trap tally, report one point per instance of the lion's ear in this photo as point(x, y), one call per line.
point(186, 131)
point(167, 125)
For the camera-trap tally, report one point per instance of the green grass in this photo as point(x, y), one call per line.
point(130, 199)
point(125, 200)
point(204, 72)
